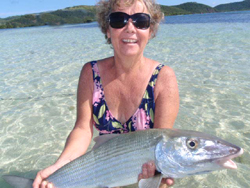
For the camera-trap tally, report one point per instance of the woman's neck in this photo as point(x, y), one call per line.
point(128, 65)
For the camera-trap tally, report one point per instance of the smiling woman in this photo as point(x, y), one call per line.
point(104, 9)
point(126, 92)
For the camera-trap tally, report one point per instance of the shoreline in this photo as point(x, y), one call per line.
point(92, 23)
point(87, 14)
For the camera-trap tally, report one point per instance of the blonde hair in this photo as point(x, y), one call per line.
point(105, 7)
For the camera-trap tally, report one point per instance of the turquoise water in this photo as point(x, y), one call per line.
point(40, 66)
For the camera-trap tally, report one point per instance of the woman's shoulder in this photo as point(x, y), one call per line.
point(86, 69)
point(105, 60)
point(166, 80)
point(86, 75)
point(165, 70)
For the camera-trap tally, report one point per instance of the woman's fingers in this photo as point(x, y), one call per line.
point(50, 185)
point(167, 181)
point(151, 169)
point(44, 184)
point(148, 171)
point(40, 182)
point(36, 182)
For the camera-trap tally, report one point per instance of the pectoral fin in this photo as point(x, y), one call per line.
point(18, 182)
point(153, 182)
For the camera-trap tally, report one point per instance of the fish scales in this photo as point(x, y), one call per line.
point(140, 149)
point(101, 155)
point(102, 166)
point(123, 166)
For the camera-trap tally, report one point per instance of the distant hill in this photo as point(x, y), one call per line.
point(170, 10)
point(71, 15)
point(237, 6)
point(187, 8)
point(85, 14)
point(82, 7)
point(194, 8)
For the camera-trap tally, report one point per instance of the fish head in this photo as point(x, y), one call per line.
point(194, 153)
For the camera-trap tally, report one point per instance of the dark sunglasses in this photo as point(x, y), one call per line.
point(118, 20)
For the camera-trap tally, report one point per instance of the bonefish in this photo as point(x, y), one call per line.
point(116, 160)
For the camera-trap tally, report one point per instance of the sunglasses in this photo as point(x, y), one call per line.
point(118, 20)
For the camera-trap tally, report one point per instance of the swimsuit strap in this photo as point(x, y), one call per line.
point(95, 70)
point(149, 93)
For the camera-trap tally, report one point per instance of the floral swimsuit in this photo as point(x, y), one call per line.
point(106, 123)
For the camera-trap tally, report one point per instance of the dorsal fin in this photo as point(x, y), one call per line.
point(99, 140)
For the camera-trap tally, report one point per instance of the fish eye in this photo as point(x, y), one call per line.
point(192, 143)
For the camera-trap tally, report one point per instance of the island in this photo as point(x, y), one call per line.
point(86, 14)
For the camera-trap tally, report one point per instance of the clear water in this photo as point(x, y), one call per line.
point(39, 70)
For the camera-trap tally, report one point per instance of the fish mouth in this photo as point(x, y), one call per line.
point(227, 162)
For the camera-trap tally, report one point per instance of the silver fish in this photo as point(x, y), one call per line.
point(116, 160)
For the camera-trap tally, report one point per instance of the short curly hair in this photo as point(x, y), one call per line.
point(105, 7)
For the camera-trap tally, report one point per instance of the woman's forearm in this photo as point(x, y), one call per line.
point(76, 145)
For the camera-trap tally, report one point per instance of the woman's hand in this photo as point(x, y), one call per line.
point(40, 182)
point(148, 171)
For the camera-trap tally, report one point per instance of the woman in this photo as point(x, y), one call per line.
point(133, 99)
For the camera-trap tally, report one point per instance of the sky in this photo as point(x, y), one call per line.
point(20, 7)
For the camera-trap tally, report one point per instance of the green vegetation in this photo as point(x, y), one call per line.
point(237, 6)
point(85, 14)
point(73, 15)
point(171, 10)
point(187, 8)
point(82, 7)
point(195, 8)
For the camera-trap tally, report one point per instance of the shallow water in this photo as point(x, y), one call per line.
point(40, 66)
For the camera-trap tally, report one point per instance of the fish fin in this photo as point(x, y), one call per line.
point(18, 182)
point(99, 140)
point(153, 182)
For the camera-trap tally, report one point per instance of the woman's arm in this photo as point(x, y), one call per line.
point(166, 99)
point(166, 110)
point(166, 105)
point(80, 137)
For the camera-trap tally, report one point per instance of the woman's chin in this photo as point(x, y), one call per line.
point(131, 51)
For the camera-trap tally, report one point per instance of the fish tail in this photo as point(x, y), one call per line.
point(18, 182)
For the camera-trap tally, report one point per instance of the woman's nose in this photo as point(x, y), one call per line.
point(130, 26)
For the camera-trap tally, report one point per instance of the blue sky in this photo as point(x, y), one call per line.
point(20, 7)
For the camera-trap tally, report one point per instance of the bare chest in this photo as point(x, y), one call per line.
point(124, 98)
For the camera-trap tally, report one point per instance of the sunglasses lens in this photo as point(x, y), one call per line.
point(117, 20)
point(142, 21)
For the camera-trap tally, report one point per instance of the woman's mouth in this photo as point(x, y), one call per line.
point(129, 41)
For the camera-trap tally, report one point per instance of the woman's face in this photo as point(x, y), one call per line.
point(129, 41)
